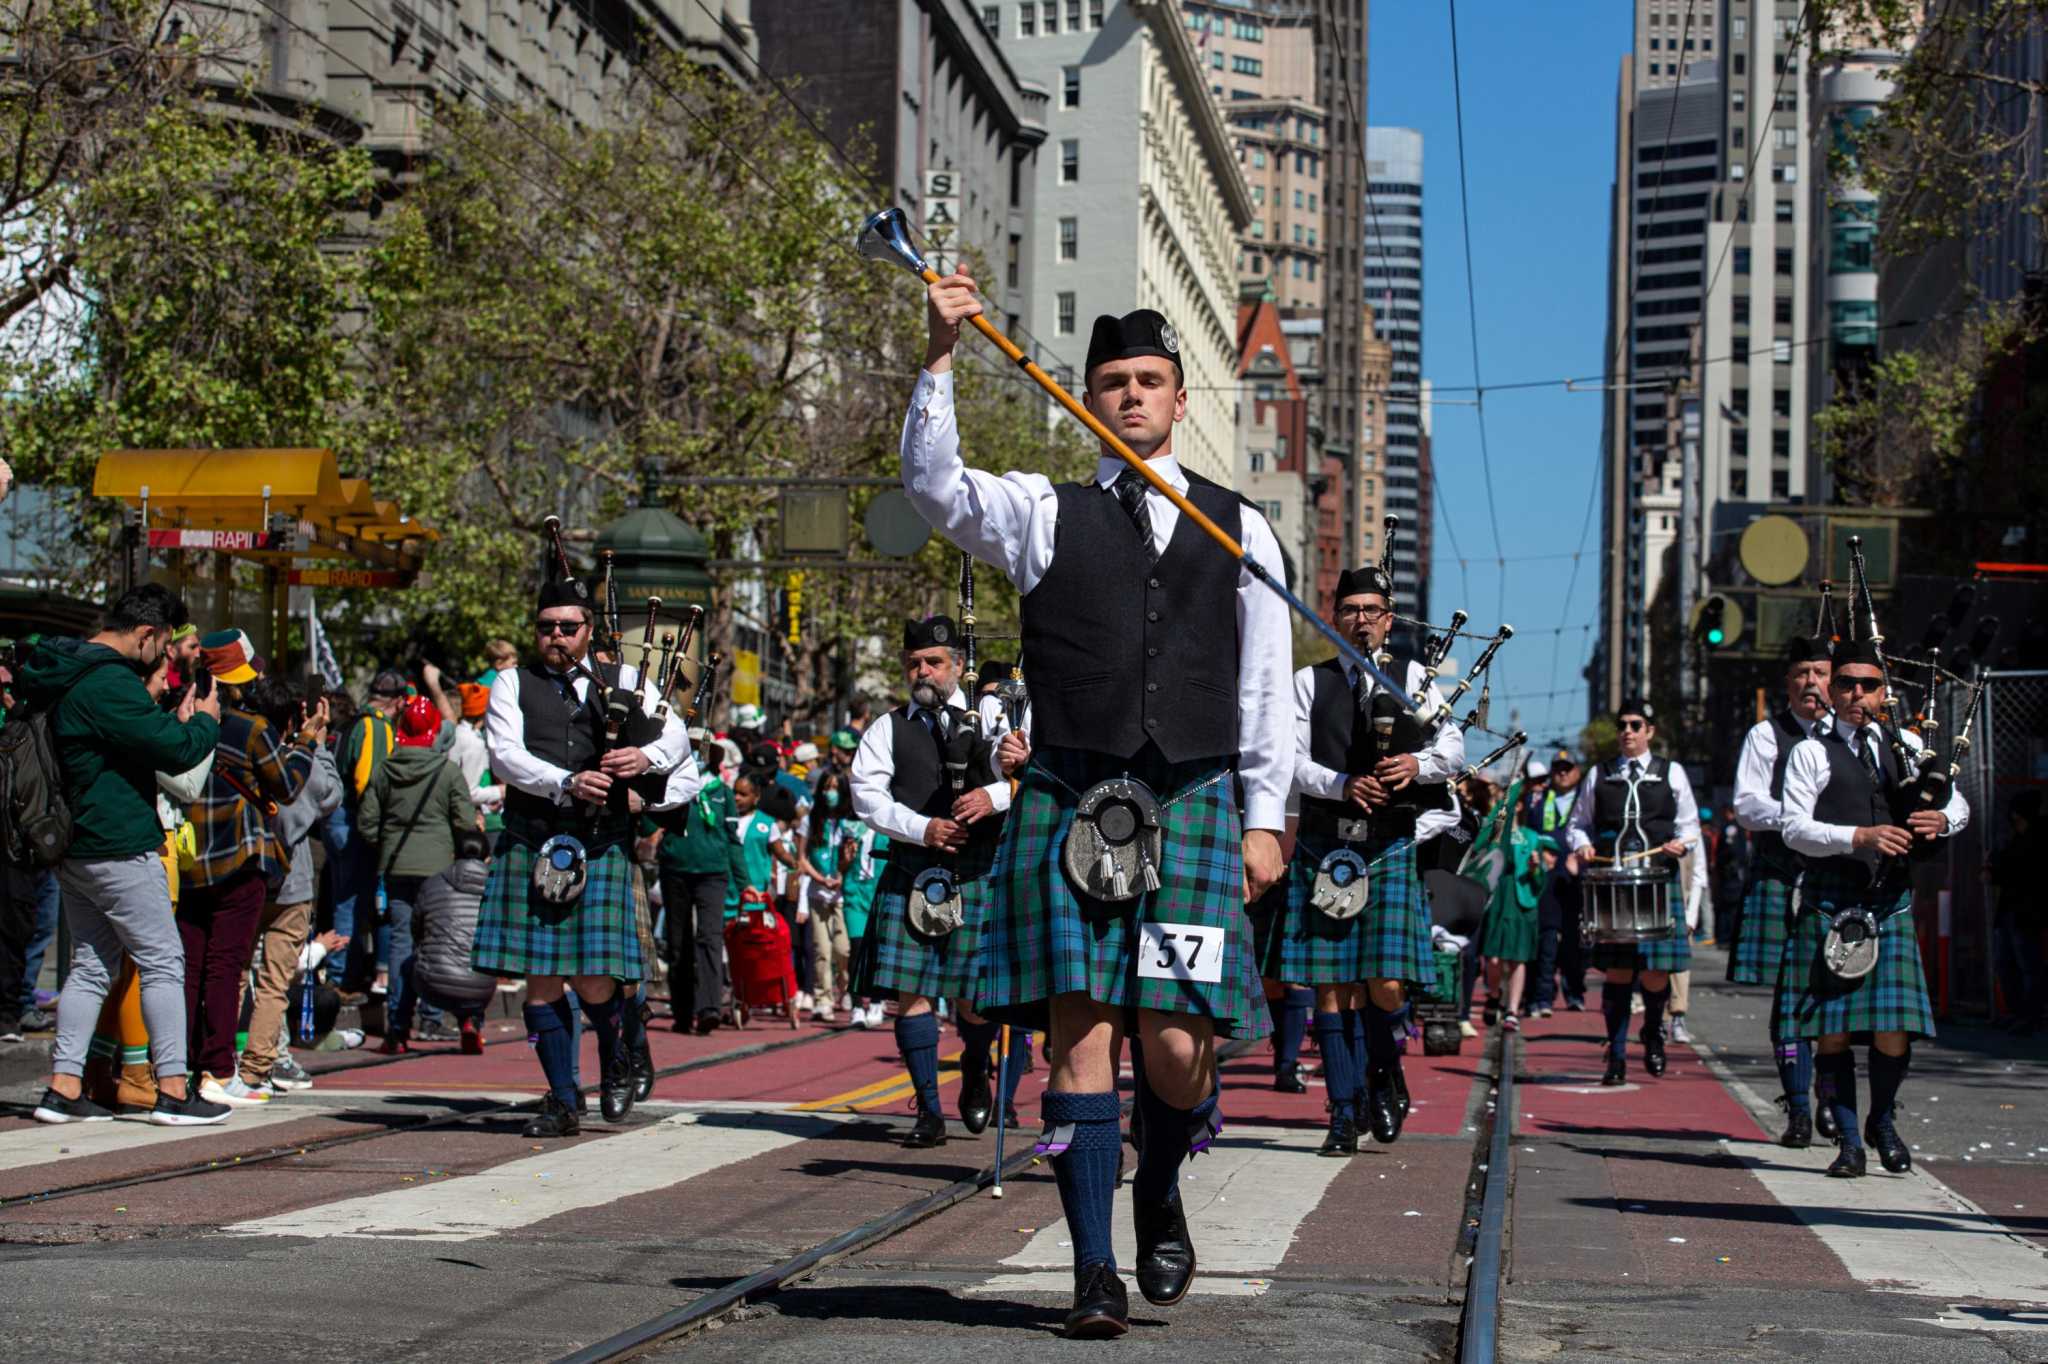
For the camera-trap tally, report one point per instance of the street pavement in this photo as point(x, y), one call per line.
point(1656, 1222)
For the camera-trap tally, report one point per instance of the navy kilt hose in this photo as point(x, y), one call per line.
point(517, 935)
point(1814, 1002)
point(1388, 941)
point(894, 957)
point(1673, 953)
point(1768, 904)
point(1044, 938)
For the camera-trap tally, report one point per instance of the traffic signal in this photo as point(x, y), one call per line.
point(1714, 622)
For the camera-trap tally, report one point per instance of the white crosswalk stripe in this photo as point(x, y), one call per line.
point(522, 1192)
point(40, 1145)
point(1245, 1199)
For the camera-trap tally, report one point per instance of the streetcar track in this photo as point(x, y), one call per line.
point(445, 1120)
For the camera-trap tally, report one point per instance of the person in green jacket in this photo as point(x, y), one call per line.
point(696, 849)
point(111, 740)
point(1509, 932)
point(412, 811)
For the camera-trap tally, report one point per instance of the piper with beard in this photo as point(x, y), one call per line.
point(1151, 810)
point(910, 784)
point(558, 907)
point(1839, 819)
point(1640, 804)
point(1354, 926)
point(1768, 900)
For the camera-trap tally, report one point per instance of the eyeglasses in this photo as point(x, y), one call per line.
point(1631, 726)
point(1371, 615)
point(557, 627)
point(1859, 684)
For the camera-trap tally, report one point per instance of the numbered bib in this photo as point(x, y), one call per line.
point(1190, 952)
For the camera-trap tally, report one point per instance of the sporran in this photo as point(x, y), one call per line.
point(560, 870)
point(1850, 949)
point(933, 906)
point(1117, 839)
point(1342, 889)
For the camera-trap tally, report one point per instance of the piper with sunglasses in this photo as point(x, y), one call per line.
point(558, 908)
point(1840, 789)
point(1355, 926)
point(1641, 806)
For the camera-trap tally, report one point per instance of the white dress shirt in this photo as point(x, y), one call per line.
point(1806, 776)
point(1756, 809)
point(1010, 522)
point(1440, 760)
point(514, 766)
point(874, 768)
point(1579, 833)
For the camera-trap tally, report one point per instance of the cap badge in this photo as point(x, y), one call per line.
point(1169, 338)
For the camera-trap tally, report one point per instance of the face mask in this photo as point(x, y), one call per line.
point(832, 800)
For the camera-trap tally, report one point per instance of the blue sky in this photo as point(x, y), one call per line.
point(1539, 95)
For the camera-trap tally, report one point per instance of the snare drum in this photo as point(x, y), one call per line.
point(1626, 904)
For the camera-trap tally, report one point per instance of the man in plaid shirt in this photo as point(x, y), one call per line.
point(239, 861)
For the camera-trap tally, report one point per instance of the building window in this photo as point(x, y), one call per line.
point(1070, 161)
point(1257, 461)
point(1258, 262)
point(1065, 325)
point(1786, 137)
point(1070, 239)
point(1259, 228)
point(1739, 100)
point(1016, 254)
point(1311, 272)
point(1297, 234)
point(1741, 260)
point(1258, 160)
point(1738, 28)
point(1027, 19)
point(1311, 201)
point(1781, 402)
point(1297, 267)
point(1781, 444)
point(1050, 13)
point(992, 19)
point(1740, 303)
point(1735, 139)
point(1781, 483)
point(1784, 260)
point(1784, 210)
point(1781, 351)
point(1247, 66)
point(1781, 312)
point(1073, 16)
point(1741, 64)
point(1297, 198)
point(1095, 13)
point(1070, 87)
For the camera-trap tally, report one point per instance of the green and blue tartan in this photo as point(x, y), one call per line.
point(1767, 909)
point(893, 956)
point(1388, 941)
point(516, 935)
point(1044, 938)
point(1266, 914)
point(1672, 953)
point(1813, 1002)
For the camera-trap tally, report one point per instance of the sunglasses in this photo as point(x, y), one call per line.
point(1859, 684)
point(1630, 726)
point(557, 627)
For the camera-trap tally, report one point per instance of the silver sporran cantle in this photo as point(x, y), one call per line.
point(1342, 887)
point(1850, 949)
point(1116, 841)
point(560, 870)
point(933, 907)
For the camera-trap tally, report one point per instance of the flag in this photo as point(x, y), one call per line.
point(1490, 859)
point(316, 644)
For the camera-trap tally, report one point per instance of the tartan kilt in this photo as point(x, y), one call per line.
point(1044, 938)
point(1388, 941)
point(893, 956)
point(1767, 910)
point(1812, 1002)
point(596, 936)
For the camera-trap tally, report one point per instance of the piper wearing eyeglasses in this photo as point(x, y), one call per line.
point(1641, 805)
point(558, 907)
point(1355, 927)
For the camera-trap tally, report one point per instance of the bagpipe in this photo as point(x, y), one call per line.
point(935, 908)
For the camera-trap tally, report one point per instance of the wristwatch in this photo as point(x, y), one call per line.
point(567, 779)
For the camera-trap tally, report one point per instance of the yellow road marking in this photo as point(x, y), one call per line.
point(883, 1091)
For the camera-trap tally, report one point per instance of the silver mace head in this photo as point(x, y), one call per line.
point(885, 236)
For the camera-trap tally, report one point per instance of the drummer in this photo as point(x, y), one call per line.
point(1640, 811)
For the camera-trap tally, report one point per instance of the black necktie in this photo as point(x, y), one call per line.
point(1361, 693)
point(1866, 749)
point(1130, 490)
point(1635, 771)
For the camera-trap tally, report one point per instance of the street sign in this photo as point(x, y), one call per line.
point(243, 540)
point(347, 577)
point(893, 526)
point(814, 521)
point(939, 217)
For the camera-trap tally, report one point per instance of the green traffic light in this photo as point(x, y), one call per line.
point(1715, 636)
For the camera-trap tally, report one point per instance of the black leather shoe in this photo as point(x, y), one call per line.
point(643, 1072)
point(1850, 1164)
point(930, 1130)
point(1400, 1091)
point(1342, 1139)
point(615, 1095)
point(1289, 1081)
point(1380, 1113)
point(1653, 1051)
point(1166, 1253)
point(1798, 1130)
point(1616, 1073)
point(1824, 1125)
point(1891, 1149)
point(1102, 1310)
point(976, 1102)
point(555, 1119)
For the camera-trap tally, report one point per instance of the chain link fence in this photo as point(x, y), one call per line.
point(2008, 754)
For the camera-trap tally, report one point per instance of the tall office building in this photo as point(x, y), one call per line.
point(1139, 201)
point(1393, 286)
point(1668, 156)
